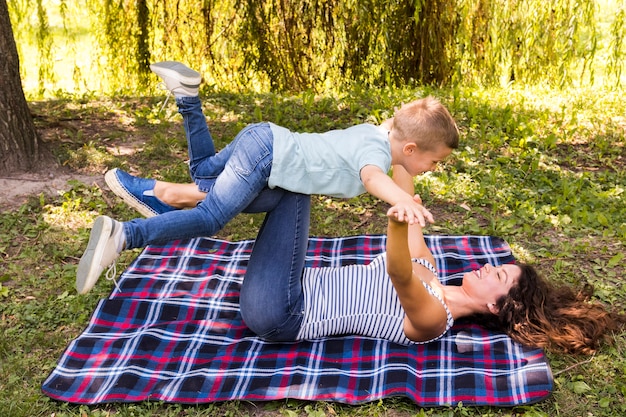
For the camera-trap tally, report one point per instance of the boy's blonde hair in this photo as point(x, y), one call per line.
point(427, 123)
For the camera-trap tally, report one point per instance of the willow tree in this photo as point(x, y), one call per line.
point(322, 44)
point(20, 145)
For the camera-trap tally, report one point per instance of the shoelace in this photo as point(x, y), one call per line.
point(111, 274)
point(162, 86)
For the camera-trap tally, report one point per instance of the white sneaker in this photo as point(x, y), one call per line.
point(104, 247)
point(178, 78)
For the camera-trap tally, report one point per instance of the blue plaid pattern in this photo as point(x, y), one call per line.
point(173, 332)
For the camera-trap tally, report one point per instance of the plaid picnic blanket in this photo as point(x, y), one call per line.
point(173, 332)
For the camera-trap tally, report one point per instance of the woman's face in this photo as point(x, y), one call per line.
point(489, 283)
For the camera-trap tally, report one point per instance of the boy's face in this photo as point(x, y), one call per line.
point(417, 161)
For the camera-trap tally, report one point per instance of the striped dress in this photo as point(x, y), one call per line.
point(357, 300)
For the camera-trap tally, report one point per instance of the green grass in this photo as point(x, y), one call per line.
point(543, 169)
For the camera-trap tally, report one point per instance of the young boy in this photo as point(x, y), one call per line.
point(263, 161)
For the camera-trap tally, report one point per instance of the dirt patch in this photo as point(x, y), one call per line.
point(70, 125)
point(15, 190)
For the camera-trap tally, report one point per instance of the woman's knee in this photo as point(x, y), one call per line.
point(273, 329)
point(262, 322)
point(268, 318)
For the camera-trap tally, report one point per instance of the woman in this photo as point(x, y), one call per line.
point(284, 301)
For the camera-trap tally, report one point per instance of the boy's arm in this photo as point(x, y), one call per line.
point(380, 185)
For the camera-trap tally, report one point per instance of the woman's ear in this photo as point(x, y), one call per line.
point(493, 309)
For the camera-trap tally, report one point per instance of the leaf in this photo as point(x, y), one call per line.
point(602, 219)
point(580, 387)
point(615, 260)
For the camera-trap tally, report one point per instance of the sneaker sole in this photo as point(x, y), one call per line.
point(118, 189)
point(89, 268)
point(185, 75)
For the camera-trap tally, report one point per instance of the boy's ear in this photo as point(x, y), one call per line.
point(409, 148)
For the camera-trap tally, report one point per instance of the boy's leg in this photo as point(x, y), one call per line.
point(271, 297)
point(205, 165)
point(244, 177)
point(184, 83)
point(200, 146)
point(139, 193)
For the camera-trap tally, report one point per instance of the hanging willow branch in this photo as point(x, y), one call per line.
point(44, 45)
point(302, 44)
point(615, 63)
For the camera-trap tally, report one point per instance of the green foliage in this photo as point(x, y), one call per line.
point(319, 45)
point(527, 42)
point(615, 64)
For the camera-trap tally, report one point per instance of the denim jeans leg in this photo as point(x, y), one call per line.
point(200, 144)
point(243, 178)
point(205, 164)
point(206, 171)
point(271, 298)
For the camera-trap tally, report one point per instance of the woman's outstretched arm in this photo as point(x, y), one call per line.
point(417, 245)
point(425, 316)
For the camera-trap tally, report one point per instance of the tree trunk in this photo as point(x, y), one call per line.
point(21, 149)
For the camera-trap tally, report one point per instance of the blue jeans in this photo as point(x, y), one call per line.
point(205, 165)
point(235, 180)
point(271, 299)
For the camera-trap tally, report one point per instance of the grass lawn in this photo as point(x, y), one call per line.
point(543, 169)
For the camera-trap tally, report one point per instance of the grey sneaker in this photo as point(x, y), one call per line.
point(178, 78)
point(101, 253)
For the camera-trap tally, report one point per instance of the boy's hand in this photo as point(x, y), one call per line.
point(410, 212)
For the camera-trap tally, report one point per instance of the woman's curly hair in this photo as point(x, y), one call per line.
point(537, 313)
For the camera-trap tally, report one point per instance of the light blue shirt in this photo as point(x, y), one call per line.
point(327, 163)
